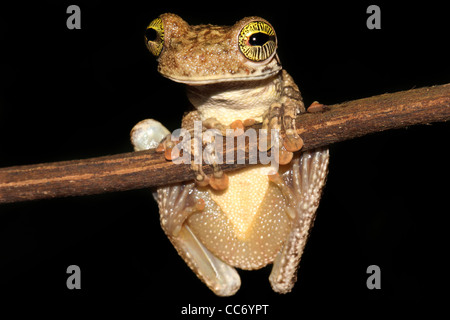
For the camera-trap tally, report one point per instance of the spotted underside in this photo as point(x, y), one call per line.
point(249, 225)
point(245, 225)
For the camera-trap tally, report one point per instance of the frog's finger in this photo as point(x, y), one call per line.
point(292, 142)
point(271, 121)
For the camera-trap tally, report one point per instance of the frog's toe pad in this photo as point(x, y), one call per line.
point(317, 107)
point(219, 183)
point(293, 142)
point(147, 134)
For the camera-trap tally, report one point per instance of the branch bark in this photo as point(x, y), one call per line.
point(146, 169)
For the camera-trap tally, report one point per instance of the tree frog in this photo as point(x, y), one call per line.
point(246, 219)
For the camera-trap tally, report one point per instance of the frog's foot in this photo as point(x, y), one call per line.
point(176, 204)
point(287, 193)
point(172, 223)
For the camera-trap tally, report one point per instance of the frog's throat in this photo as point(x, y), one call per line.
point(237, 100)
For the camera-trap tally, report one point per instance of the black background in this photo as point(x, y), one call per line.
point(71, 94)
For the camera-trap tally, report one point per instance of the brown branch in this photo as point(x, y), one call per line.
point(148, 169)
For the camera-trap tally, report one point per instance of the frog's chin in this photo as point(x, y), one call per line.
point(214, 79)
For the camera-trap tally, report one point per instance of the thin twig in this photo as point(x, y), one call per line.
point(149, 169)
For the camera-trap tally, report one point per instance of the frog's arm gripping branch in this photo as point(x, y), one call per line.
point(145, 169)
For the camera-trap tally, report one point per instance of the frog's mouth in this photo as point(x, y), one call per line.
point(219, 79)
point(251, 72)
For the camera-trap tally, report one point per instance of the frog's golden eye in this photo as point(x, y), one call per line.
point(257, 41)
point(154, 36)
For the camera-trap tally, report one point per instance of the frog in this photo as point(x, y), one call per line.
point(248, 218)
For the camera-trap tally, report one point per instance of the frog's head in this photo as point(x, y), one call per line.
point(207, 54)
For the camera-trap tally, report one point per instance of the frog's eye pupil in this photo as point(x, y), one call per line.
point(151, 34)
point(258, 39)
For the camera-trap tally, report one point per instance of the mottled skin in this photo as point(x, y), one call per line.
point(207, 54)
point(251, 219)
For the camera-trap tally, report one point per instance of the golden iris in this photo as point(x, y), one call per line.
point(257, 41)
point(154, 36)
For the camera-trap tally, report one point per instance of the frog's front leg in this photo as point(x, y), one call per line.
point(281, 115)
point(302, 187)
point(218, 180)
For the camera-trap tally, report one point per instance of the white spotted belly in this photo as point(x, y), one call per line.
point(245, 225)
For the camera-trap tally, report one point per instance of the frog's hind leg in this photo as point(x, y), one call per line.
point(302, 187)
point(176, 204)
